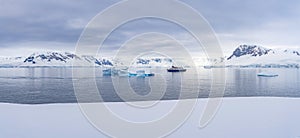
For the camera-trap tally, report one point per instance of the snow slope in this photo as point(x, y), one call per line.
point(236, 118)
point(50, 59)
point(61, 59)
point(154, 61)
point(11, 61)
point(246, 55)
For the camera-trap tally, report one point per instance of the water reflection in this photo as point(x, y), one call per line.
point(54, 85)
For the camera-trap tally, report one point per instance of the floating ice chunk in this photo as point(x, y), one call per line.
point(267, 74)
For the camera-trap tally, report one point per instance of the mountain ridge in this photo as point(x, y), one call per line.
point(49, 58)
point(243, 55)
point(252, 50)
point(252, 55)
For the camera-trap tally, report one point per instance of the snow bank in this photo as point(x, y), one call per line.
point(237, 117)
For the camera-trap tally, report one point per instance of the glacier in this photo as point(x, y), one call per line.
point(253, 56)
point(244, 56)
point(66, 59)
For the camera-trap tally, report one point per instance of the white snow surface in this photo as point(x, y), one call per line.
point(279, 56)
point(237, 117)
point(257, 55)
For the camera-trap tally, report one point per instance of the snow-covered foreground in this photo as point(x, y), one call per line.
point(237, 117)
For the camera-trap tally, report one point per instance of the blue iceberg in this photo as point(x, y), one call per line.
point(267, 74)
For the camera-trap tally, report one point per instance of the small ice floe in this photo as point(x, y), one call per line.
point(107, 72)
point(140, 73)
point(123, 73)
point(267, 74)
point(149, 74)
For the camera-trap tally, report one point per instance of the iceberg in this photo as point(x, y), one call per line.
point(267, 74)
point(140, 73)
point(123, 73)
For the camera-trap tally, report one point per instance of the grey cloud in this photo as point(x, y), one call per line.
point(48, 20)
point(270, 22)
point(233, 15)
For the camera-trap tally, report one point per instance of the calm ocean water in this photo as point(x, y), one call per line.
point(55, 85)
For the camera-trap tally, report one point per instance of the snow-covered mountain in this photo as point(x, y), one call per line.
point(242, 56)
point(48, 59)
point(61, 59)
point(251, 50)
point(257, 56)
point(154, 61)
point(11, 61)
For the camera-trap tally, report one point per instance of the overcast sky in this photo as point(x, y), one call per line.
point(34, 25)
